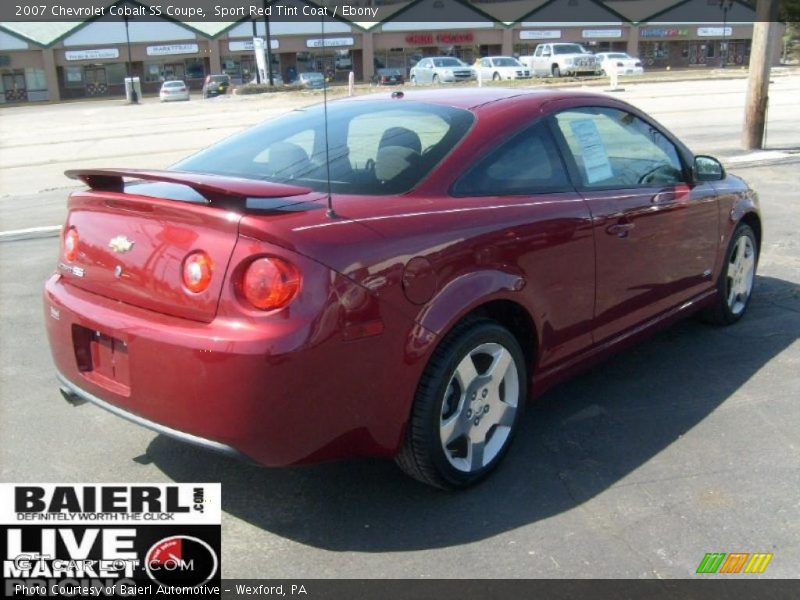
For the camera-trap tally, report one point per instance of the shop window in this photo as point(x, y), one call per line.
point(195, 68)
point(232, 67)
point(116, 73)
point(710, 49)
point(35, 80)
point(73, 77)
point(344, 60)
point(153, 72)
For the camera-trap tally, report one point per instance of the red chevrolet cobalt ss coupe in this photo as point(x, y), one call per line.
point(482, 245)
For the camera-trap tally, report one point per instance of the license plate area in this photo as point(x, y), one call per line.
point(102, 359)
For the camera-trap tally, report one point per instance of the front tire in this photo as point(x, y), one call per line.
point(435, 80)
point(556, 71)
point(735, 284)
point(496, 77)
point(467, 406)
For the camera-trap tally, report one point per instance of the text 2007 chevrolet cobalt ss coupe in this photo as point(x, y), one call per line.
point(483, 245)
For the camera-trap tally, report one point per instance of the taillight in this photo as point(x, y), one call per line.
point(71, 244)
point(270, 283)
point(197, 271)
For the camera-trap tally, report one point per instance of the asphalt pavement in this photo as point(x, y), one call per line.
point(684, 445)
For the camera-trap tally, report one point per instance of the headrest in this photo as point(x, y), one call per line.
point(393, 161)
point(400, 136)
point(287, 159)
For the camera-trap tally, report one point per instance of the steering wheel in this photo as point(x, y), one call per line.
point(667, 173)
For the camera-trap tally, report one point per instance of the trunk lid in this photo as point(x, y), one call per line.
point(133, 239)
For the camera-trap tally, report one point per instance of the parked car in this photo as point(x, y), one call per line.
point(173, 90)
point(482, 244)
point(311, 80)
point(440, 69)
point(216, 85)
point(501, 67)
point(388, 77)
point(622, 62)
point(561, 59)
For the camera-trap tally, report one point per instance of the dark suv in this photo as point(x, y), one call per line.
point(216, 85)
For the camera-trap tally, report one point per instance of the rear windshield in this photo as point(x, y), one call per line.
point(311, 76)
point(568, 49)
point(171, 84)
point(219, 78)
point(506, 62)
point(447, 62)
point(375, 148)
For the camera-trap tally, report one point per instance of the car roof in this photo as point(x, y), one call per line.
point(472, 98)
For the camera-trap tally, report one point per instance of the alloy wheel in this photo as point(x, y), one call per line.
point(479, 407)
point(740, 275)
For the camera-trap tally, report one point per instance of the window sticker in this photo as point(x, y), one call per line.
point(595, 156)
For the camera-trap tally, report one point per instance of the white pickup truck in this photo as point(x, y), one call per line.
point(560, 59)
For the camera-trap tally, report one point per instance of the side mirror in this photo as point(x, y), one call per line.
point(708, 168)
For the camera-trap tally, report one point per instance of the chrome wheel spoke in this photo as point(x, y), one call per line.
point(454, 428)
point(466, 372)
point(506, 415)
point(499, 367)
point(475, 456)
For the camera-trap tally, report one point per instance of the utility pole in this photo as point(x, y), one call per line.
point(268, 40)
point(761, 50)
point(255, 50)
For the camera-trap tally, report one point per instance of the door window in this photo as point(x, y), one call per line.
point(613, 148)
point(527, 164)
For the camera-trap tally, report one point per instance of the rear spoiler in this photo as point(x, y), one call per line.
point(214, 188)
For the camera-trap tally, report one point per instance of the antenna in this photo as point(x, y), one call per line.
point(330, 213)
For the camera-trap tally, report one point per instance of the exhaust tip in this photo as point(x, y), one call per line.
point(71, 397)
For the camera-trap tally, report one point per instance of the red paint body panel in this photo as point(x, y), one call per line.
point(333, 374)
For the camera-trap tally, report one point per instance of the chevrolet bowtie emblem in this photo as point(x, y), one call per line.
point(120, 244)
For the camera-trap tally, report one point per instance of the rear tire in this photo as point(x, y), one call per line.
point(737, 279)
point(467, 406)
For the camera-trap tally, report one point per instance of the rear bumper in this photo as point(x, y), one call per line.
point(72, 392)
point(277, 391)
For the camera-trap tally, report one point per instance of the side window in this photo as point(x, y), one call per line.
point(529, 163)
point(538, 51)
point(614, 148)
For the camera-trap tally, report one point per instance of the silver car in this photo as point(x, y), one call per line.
point(173, 90)
point(441, 69)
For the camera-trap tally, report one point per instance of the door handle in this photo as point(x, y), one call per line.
point(620, 229)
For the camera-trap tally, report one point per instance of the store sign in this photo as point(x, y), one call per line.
point(430, 39)
point(330, 42)
point(169, 49)
point(714, 31)
point(540, 34)
point(247, 45)
point(96, 54)
point(663, 32)
point(601, 33)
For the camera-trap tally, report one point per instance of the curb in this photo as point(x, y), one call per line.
point(30, 233)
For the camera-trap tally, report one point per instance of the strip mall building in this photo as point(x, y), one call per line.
point(55, 61)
